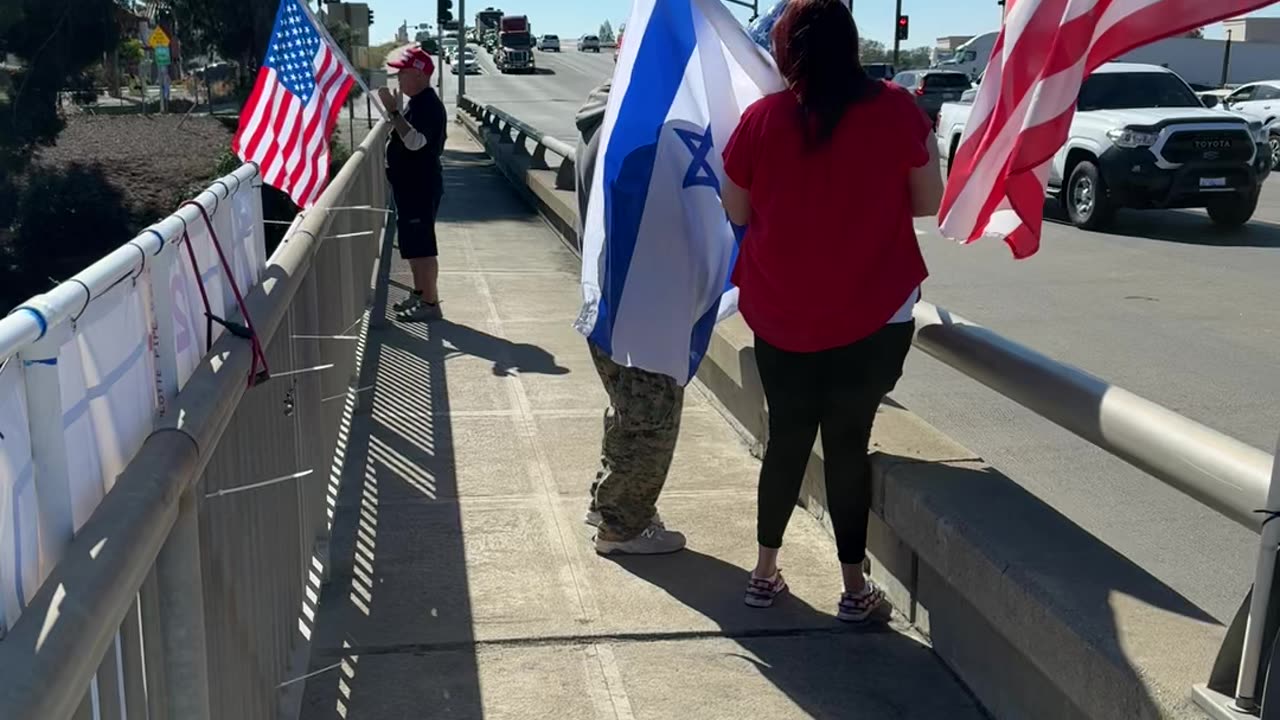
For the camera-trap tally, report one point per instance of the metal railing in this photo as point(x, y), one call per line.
point(512, 131)
point(190, 591)
point(1229, 476)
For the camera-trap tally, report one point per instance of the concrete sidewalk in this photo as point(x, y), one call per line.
point(463, 582)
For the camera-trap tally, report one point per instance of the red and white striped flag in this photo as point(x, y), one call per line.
point(1023, 111)
point(286, 124)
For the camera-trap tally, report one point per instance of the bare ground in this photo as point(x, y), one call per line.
point(153, 161)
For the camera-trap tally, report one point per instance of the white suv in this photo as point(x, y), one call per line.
point(589, 43)
point(549, 43)
point(1141, 139)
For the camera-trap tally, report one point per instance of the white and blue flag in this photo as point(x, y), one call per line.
point(657, 248)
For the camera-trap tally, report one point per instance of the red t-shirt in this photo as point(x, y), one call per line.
point(830, 254)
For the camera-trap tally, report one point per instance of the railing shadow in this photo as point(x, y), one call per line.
point(399, 566)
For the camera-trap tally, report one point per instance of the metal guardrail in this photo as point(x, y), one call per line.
point(202, 564)
point(1233, 478)
point(512, 130)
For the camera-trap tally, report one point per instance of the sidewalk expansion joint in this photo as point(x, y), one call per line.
point(613, 638)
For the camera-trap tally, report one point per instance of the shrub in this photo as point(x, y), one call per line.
point(64, 219)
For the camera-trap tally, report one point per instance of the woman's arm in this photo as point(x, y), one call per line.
point(926, 183)
point(737, 203)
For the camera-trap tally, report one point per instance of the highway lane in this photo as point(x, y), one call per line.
point(1165, 305)
point(547, 100)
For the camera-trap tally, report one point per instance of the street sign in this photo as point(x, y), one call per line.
point(162, 55)
point(158, 38)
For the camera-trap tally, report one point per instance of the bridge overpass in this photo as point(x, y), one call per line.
point(386, 524)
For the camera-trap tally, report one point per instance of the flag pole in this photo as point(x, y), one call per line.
point(338, 52)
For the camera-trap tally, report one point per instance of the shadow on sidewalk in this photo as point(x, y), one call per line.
point(829, 669)
point(506, 355)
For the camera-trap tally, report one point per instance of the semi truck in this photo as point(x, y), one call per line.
point(515, 45)
point(487, 20)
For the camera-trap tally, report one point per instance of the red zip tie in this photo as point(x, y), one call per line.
point(255, 376)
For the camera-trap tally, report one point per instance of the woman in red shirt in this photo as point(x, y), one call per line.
point(827, 176)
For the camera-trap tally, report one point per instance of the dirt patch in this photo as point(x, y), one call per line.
point(153, 161)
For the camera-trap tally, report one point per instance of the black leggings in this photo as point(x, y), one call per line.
point(837, 390)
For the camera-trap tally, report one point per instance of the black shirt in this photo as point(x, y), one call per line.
point(427, 115)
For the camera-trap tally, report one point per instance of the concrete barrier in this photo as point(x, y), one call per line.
point(1040, 619)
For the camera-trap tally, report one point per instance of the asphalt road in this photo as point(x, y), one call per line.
point(1165, 305)
point(547, 100)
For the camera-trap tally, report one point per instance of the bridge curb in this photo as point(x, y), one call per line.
point(1035, 615)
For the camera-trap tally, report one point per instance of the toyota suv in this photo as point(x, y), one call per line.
point(1141, 138)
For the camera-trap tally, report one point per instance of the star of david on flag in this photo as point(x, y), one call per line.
point(700, 171)
point(286, 124)
point(657, 248)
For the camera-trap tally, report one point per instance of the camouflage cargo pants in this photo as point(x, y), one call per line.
point(640, 431)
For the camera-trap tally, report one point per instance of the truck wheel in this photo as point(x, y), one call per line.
point(1233, 211)
point(1088, 205)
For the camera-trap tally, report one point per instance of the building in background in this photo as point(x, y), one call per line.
point(354, 15)
point(402, 34)
point(1253, 29)
point(945, 47)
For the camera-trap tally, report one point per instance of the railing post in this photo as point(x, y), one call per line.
point(566, 175)
point(49, 443)
point(539, 159)
point(179, 577)
point(1262, 610)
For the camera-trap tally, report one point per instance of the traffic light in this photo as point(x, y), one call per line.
point(370, 16)
point(444, 13)
point(904, 27)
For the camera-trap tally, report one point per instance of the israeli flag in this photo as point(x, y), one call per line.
point(657, 248)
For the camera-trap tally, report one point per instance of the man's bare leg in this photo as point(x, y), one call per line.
point(426, 273)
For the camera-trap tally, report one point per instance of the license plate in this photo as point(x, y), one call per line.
point(1211, 182)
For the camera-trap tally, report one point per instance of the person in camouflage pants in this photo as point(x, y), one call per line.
point(643, 420)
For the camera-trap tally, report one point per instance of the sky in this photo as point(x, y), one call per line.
point(930, 19)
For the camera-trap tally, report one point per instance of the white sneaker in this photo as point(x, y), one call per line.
point(595, 519)
point(653, 540)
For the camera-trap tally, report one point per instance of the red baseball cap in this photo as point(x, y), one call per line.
point(412, 57)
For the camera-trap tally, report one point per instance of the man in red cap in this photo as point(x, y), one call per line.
point(417, 183)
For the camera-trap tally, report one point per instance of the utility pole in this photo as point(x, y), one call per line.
point(462, 49)
point(897, 34)
point(1226, 60)
point(440, 54)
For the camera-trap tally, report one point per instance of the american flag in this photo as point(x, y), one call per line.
point(286, 124)
point(1023, 111)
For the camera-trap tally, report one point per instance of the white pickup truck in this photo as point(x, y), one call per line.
point(1142, 139)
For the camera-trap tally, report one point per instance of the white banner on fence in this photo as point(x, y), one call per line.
point(239, 227)
point(19, 528)
point(107, 374)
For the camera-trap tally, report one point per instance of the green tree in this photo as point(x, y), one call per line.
point(605, 33)
point(873, 51)
point(237, 29)
point(913, 59)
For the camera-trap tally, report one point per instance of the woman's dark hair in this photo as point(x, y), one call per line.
point(815, 44)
